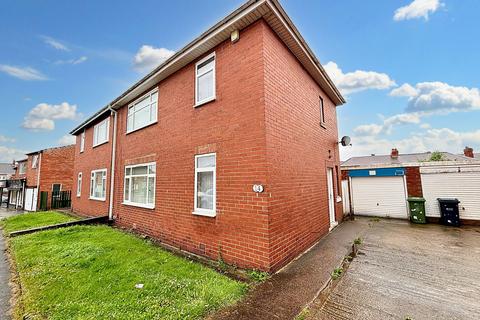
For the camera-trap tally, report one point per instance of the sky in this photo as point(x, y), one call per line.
point(409, 69)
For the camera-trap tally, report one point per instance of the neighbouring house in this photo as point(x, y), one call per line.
point(6, 171)
point(227, 149)
point(16, 184)
point(379, 185)
point(40, 179)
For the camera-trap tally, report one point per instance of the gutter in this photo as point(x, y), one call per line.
point(38, 177)
point(112, 165)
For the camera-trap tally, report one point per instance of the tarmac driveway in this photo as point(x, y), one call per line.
point(409, 271)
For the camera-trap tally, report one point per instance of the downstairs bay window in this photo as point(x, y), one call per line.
point(139, 186)
point(205, 185)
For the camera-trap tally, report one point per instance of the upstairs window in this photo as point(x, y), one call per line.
point(98, 185)
point(22, 167)
point(205, 80)
point(142, 112)
point(82, 141)
point(322, 112)
point(35, 161)
point(139, 189)
point(100, 132)
point(205, 185)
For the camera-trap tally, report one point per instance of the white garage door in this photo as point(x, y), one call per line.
point(379, 196)
point(465, 186)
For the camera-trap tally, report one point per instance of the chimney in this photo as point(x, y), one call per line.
point(394, 154)
point(468, 152)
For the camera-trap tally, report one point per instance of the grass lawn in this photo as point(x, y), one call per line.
point(90, 272)
point(32, 220)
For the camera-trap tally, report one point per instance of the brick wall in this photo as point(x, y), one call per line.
point(299, 151)
point(31, 173)
point(56, 168)
point(93, 158)
point(414, 182)
point(233, 127)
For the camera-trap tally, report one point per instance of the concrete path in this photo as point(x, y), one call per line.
point(5, 292)
point(287, 292)
point(415, 271)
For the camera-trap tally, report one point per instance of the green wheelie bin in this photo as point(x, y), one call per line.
point(417, 209)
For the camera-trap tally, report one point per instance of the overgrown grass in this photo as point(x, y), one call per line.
point(91, 272)
point(33, 220)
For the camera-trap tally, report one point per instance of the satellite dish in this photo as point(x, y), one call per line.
point(346, 141)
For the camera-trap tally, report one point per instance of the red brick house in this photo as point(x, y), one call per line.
point(48, 170)
point(228, 148)
point(16, 184)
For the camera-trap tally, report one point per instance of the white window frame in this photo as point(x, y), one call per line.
point(93, 174)
point(82, 141)
point(34, 161)
point(58, 184)
point(131, 105)
point(79, 184)
point(202, 211)
point(148, 175)
point(322, 112)
point(95, 133)
point(24, 166)
point(197, 75)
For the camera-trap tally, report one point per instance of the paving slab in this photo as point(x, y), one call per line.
point(5, 291)
point(409, 271)
point(286, 293)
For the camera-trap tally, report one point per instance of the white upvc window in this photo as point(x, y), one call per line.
point(142, 112)
point(322, 112)
point(139, 186)
point(98, 185)
point(35, 161)
point(205, 80)
point(82, 141)
point(100, 132)
point(205, 185)
point(79, 184)
point(22, 167)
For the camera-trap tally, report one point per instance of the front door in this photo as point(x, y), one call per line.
point(331, 198)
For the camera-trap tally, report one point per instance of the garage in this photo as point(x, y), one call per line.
point(461, 182)
point(379, 192)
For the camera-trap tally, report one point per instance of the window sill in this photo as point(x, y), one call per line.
point(201, 103)
point(143, 127)
point(205, 214)
point(97, 199)
point(101, 143)
point(145, 206)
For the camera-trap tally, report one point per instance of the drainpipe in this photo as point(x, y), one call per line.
point(112, 166)
point(39, 166)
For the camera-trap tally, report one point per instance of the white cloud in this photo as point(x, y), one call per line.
point(148, 57)
point(439, 97)
point(72, 61)
point(24, 73)
point(9, 154)
point(443, 139)
point(387, 126)
point(55, 43)
point(66, 140)
point(358, 80)
point(6, 139)
point(425, 126)
point(405, 90)
point(417, 9)
point(43, 115)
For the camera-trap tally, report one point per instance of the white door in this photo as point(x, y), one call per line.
point(31, 199)
point(331, 198)
point(465, 186)
point(346, 197)
point(379, 196)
